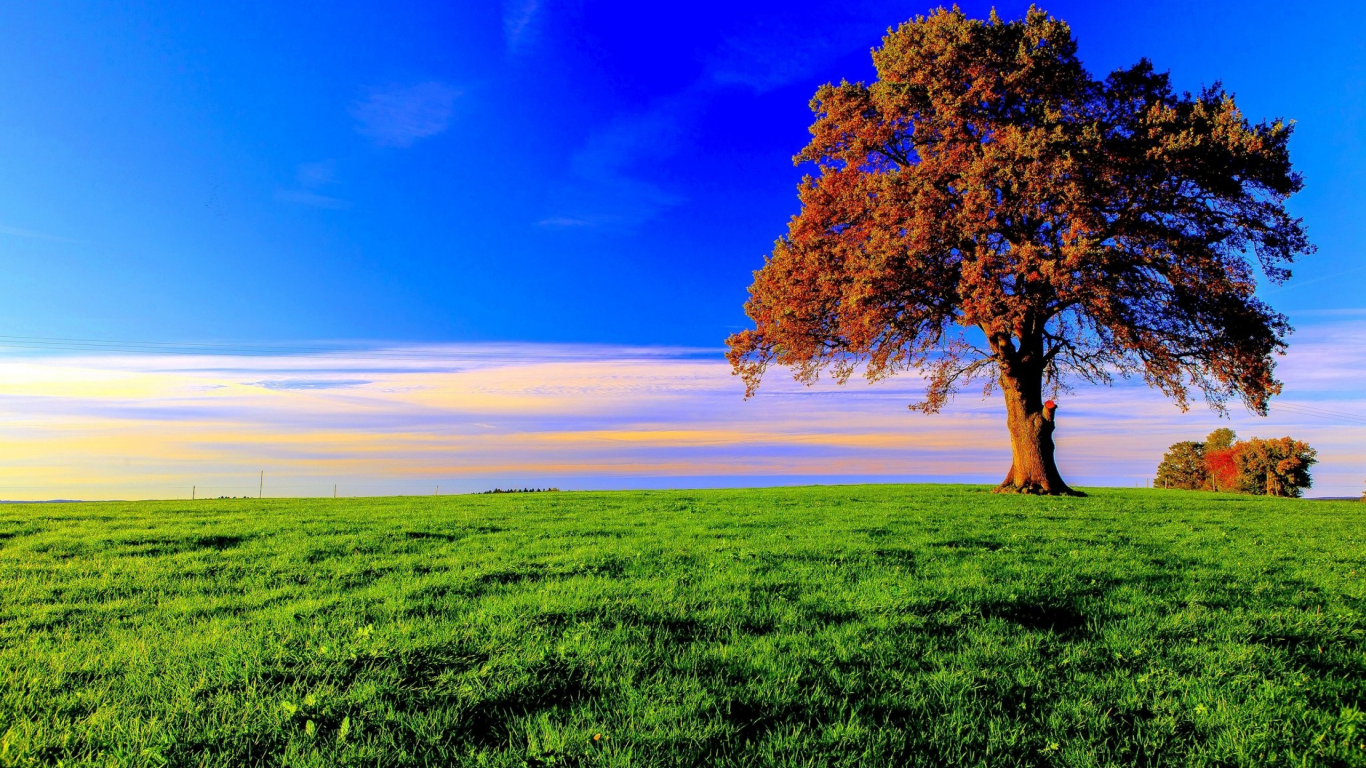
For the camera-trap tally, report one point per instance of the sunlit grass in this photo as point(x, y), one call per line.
point(857, 625)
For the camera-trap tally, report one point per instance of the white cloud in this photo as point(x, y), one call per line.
point(398, 116)
point(300, 197)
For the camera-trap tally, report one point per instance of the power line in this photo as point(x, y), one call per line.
point(1322, 413)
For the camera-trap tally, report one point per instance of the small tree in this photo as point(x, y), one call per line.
point(1183, 467)
point(987, 208)
point(1276, 467)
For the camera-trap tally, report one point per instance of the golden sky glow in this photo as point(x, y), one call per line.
point(405, 420)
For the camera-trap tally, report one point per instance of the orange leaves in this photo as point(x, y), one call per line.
point(1086, 227)
point(847, 127)
point(1275, 467)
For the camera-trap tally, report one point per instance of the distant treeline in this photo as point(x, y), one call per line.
point(1276, 467)
point(521, 490)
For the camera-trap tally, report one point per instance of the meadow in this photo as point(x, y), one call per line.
point(845, 625)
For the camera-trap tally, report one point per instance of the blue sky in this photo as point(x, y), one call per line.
point(535, 171)
point(564, 176)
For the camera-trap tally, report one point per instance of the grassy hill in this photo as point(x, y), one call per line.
point(855, 625)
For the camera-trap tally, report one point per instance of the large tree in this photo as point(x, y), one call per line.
point(986, 208)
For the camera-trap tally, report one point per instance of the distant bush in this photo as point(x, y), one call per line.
point(522, 490)
point(1272, 467)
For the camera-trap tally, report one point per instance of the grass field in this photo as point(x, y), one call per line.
point(855, 625)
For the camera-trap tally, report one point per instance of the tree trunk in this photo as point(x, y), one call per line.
point(1031, 422)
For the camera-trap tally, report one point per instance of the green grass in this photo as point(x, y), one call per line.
point(858, 625)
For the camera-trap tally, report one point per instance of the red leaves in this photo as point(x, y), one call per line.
point(1222, 465)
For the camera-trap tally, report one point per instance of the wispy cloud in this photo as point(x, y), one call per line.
point(769, 58)
point(570, 221)
point(398, 116)
point(34, 235)
point(614, 178)
point(469, 417)
point(781, 49)
point(311, 383)
point(311, 177)
point(1270, 289)
point(608, 186)
point(318, 174)
point(303, 197)
point(519, 23)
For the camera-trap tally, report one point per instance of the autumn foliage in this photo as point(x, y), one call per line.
point(1221, 467)
point(1271, 467)
point(985, 208)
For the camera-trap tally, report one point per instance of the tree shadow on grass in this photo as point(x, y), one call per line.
point(1063, 620)
point(162, 546)
point(970, 544)
point(434, 535)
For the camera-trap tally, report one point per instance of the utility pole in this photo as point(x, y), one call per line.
point(261, 492)
point(193, 488)
point(438, 491)
point(334, 490)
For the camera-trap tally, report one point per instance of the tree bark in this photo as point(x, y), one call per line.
point(1031, 422)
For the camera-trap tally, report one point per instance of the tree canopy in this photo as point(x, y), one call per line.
point(1220, 439)
point(987, 208)
point(1183, 467)
point(1275, 467)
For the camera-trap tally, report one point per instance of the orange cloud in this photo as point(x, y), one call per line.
point(406, 419)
